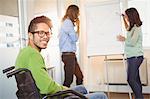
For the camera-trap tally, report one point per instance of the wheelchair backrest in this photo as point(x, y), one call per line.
point(27, 88)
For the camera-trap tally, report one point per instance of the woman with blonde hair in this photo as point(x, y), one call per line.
point(67, 44)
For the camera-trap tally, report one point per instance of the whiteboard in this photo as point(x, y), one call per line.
point(103, 24)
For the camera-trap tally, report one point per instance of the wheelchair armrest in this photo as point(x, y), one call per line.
point(65, 92)
point(8, 69)
point(10, 74)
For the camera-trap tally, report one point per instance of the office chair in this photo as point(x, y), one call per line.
point(27, 88)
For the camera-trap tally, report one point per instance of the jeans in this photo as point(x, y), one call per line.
point(133, 76)
point(95, 95)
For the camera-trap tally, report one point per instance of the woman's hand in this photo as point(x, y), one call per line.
point(121, 38)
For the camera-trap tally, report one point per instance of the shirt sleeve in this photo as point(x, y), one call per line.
point(43, 81)
point(133, 38)
point(69, 29)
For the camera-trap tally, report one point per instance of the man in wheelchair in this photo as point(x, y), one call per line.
point(39, 33)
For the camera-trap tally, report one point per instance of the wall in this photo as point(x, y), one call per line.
point(147, 55)
point(8, 87)
point(6, 4)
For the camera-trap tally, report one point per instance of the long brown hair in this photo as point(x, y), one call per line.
point(72, 12)
point(133, 17)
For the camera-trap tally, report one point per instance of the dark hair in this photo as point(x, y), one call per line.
point(72, 12)
point(134, 18)
point(39, 19)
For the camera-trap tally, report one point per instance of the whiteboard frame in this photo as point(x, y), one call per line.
point(88, 5)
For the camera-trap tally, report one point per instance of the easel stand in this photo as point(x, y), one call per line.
point(107, 78)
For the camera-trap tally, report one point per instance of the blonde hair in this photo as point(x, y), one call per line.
point(72, 12)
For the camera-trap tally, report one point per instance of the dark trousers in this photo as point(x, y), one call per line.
point(71, 68)
point(133, 76)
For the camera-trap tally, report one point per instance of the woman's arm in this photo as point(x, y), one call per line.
point(68, 28)
point(125, 21)
point(78, 26)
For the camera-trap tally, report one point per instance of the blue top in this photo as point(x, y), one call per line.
point(68, 37)
point(133, 42)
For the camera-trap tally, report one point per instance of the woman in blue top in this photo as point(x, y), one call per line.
point(133, 49)
point(67, 45)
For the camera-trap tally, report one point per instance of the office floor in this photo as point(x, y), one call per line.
point(125, 96)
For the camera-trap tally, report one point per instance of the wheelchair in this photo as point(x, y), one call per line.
point(27, 88)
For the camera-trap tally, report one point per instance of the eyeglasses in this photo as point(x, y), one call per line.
point(43, 33)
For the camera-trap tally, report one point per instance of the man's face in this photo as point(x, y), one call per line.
point(41, 36)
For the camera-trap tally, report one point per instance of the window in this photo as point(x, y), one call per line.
point(9, 24)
